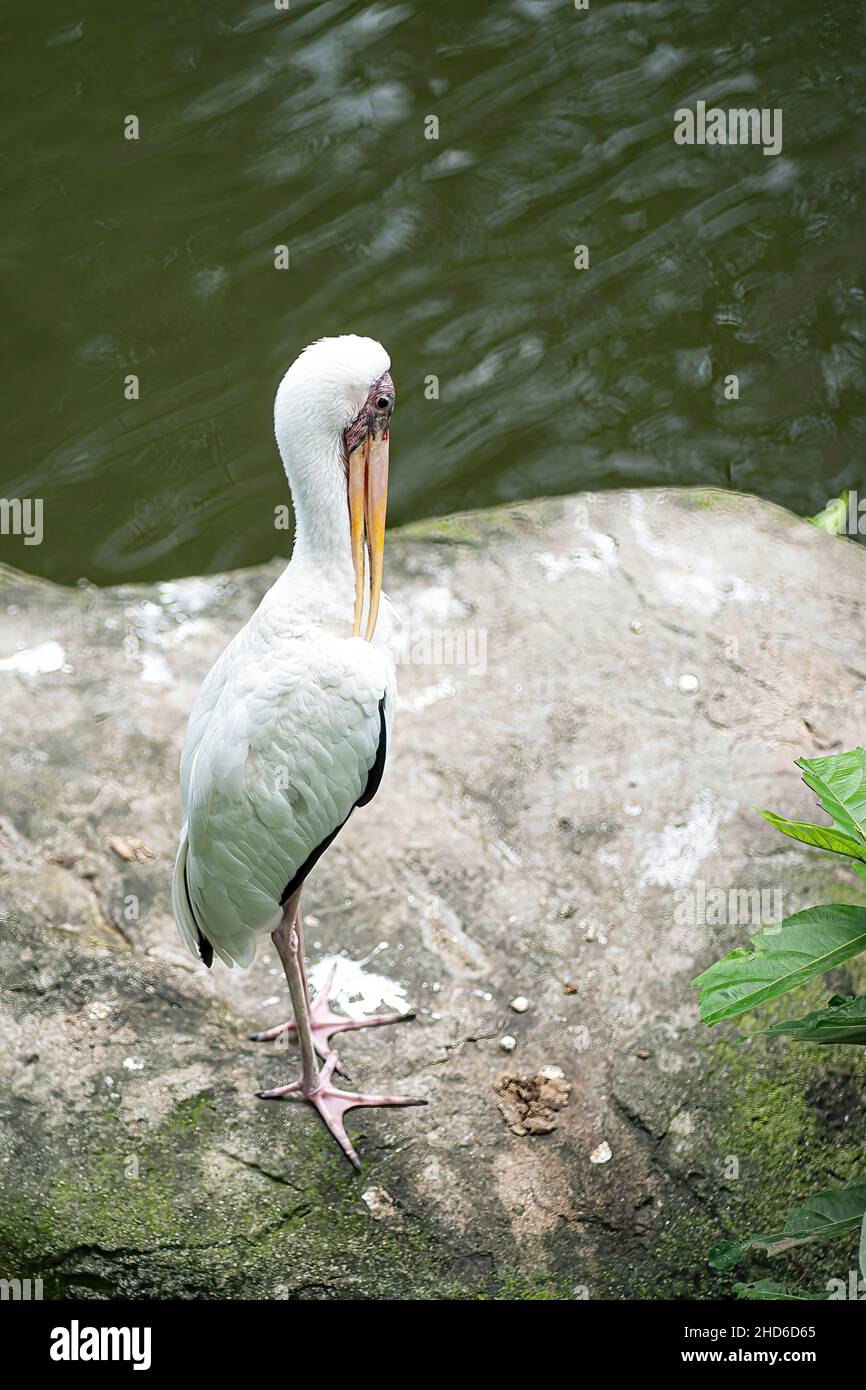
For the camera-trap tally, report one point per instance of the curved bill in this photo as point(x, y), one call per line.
point(368, 501)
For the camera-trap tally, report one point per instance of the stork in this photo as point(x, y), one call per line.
point(289, 731)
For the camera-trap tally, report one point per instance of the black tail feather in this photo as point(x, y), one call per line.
point(205, 950)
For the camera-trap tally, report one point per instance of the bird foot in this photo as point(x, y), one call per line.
point(324, 1023)
point(332, 1104)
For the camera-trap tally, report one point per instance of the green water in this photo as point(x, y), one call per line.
point(258, 128)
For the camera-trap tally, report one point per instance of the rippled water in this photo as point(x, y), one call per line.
point(260, 127)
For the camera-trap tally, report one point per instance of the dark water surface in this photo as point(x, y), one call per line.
point(260, 127)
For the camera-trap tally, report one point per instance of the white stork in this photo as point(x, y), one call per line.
point(289, 730)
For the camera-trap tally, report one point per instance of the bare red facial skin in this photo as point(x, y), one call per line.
point(374, 415)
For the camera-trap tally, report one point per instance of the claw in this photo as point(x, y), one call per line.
point(269, 1034)
point(324, 1024)
point(332, 1104)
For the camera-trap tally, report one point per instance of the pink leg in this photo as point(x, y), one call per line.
point(314, 1086)
point(324, 1023)
point(332, 1104)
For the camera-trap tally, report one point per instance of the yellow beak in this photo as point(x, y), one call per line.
point(368, 502)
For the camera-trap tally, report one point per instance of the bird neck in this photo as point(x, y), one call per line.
point(322, 545)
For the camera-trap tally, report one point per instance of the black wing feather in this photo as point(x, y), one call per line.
point(205, 949)
point(374, 777)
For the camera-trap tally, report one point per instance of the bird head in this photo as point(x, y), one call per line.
point(338, 397)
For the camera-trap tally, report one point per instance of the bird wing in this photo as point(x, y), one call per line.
point(282, 744)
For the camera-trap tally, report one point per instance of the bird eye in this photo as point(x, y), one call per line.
point(382, 402)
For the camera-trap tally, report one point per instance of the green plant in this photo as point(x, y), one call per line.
point(781, 958)
point(834, 518)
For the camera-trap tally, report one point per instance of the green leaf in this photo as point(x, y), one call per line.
point(861, 870)
point(782, 956)
point(843, 1021)
point(726, 1254)
point(839, 782)
point(834, 518)
point(821, 1217)
point(824, 836)
point(766, 1289)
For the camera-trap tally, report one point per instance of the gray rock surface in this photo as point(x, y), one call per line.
point(620, 680)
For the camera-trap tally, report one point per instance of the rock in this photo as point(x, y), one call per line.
point(379, 1203)
point(129, 849)
point(529, 1104)
point(540, 701)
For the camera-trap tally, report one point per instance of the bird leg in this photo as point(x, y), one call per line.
point(315, 1086)
point(324, 1023)
point(287, 939)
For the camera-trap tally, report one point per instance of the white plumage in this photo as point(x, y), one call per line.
point(287, 724)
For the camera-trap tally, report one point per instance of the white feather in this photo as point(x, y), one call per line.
point(286, 725)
